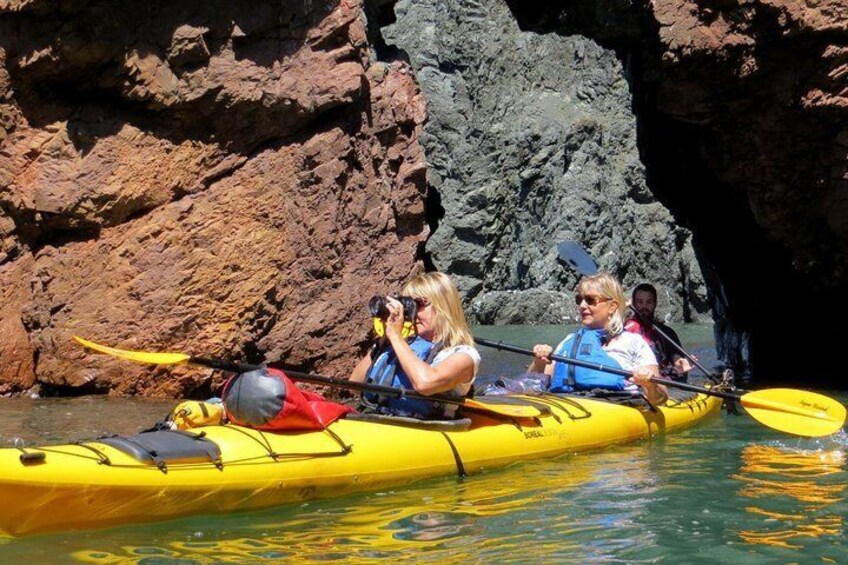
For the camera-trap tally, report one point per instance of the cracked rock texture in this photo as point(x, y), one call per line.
point(531, 140)
point(742, 108)
point(225, 179)
point(236, 178)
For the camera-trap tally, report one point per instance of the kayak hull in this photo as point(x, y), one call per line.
point(95, 485)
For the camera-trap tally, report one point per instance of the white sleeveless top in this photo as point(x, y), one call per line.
point(462, 389)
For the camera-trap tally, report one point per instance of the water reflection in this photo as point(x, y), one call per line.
point(797, 493)
point(680, 499)
point(555, 506)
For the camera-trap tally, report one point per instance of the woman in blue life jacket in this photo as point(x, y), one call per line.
point(601, 340)
point(440, 359)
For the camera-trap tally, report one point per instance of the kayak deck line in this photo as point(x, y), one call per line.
point(72, 488)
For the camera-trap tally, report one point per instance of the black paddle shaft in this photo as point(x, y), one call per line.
point(604, 368)
point(674, 344)
point(222, 365)
point(368, 387)
point(576, 362)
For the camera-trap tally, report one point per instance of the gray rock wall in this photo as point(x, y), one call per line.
point(531, 140)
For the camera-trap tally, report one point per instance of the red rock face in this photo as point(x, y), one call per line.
point(234, 180)
point(760, 89)
point(743, 127)
point(770, 78)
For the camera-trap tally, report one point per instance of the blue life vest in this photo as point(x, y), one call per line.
point(586, 345)
point(386, 371)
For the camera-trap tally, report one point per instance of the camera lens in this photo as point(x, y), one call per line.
point(410, 308)
point(377, 307)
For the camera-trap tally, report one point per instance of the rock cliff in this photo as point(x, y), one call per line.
point(237, 178)
point(224, 178)
point(742, 110)
point(531, 140)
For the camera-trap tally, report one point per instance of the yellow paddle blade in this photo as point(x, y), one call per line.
point(510, 410)
point(137, 356)
point(798, 412)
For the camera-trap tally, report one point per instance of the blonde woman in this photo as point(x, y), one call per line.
point(601, 340)
point(440, 359)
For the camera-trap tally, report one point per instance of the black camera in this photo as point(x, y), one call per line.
point(377, 307)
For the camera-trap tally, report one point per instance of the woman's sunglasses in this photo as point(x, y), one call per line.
point(590, 299)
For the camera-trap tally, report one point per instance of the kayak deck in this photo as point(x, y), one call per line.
point(95, 484)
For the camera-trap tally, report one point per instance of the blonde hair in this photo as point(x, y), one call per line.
point(604, 284)
point(450, 326)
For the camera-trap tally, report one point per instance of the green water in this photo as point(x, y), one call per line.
point(729, 490)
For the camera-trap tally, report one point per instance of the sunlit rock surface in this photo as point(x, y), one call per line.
point(237, 178)
point(224, 179)
point(531, 140)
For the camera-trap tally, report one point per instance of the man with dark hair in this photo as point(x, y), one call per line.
point(644, 302)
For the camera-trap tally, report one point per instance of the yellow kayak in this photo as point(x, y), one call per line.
point(214, 469)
